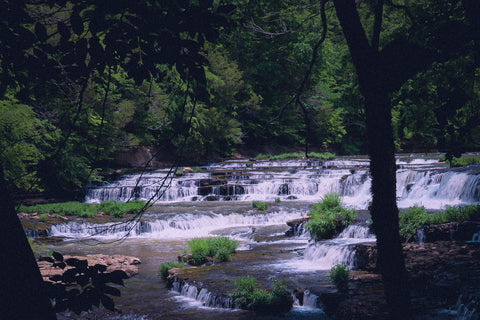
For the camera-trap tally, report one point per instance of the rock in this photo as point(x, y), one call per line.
point(366, 257)
point(463, 231)
point(466, 230)
point(23, 215)
point(296, 226)
point(296, 222)
point(438, 274)
point(113, 262)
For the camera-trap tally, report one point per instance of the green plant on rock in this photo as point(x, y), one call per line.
point(416, 217)
point(328, 217)
point(166, 266)
point(249, 296)
point(340, 275)
point(220, 248)
point(462, 161)
point(260, 205)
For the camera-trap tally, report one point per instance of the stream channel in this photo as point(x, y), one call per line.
point(217, 200)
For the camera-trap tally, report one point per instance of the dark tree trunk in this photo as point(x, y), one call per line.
point(384, 210)
point(22, 293)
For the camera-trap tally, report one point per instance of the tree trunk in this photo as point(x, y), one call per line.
point(22, 293)
point(374, 86)
point(384, 209)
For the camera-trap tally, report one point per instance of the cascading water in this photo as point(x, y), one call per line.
point(323, 255)
point(424, 182)
point(202, 296)
point(183, 225)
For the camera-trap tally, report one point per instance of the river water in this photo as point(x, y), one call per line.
point(217, 200)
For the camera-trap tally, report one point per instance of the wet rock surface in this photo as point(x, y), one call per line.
point(459, 231)
point(438, 272)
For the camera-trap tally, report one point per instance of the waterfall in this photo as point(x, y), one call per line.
point(419, 182)
point(323, 255)
point(202, 296)
point(182, 225)
point(310, 300)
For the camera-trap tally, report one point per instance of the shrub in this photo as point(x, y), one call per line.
point(247, 295)
point(411, 220)
point(164, 267)
point(260, 205)
point(220, 248)
point(339, 275)
point(328, 217)
point(464, 161)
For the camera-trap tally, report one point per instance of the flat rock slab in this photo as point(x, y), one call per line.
point(113, 262)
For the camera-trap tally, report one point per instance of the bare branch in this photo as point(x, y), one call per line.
point(257, 29)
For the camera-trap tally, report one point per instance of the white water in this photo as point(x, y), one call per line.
point(323, 255)
point(180, 226)
point(421, 182)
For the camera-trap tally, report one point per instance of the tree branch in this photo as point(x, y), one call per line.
point(377, 25)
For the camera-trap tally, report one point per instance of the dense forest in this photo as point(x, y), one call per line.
point(270, 82)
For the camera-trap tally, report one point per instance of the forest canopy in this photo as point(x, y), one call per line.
point(77, 116)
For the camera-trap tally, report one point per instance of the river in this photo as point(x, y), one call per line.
point(217, 200)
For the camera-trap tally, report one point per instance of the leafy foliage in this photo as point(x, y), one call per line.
point(464, 161)
point(23, 136)
point(328, 217)
point(415, 217)
point(247, 295)
point(81, 287)
point(339, 275)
